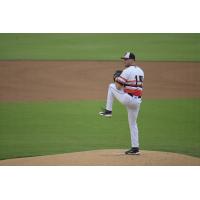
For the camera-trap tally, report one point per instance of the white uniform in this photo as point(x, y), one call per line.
point(130, 96)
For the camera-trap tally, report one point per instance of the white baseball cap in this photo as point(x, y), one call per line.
point(128, 55)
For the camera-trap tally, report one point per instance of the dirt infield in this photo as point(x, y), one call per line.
point(75, 80)
point(114, 157)
point(88, 80)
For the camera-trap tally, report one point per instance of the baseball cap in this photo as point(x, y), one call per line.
point(128, 55)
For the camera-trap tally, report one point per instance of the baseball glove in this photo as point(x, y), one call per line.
point(116, 74)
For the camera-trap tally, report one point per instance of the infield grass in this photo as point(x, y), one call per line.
point(80, 46)
point(43, 128)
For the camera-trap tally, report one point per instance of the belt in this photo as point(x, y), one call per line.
point(134, 96)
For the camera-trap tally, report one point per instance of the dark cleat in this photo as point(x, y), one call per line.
point(133, 151)
point(106, 113)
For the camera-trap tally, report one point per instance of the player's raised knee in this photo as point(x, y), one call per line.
point(111, 85)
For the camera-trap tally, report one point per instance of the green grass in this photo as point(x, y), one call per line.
point(150, 47)
point(30, 129)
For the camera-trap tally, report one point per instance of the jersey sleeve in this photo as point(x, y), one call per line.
point(123, 78)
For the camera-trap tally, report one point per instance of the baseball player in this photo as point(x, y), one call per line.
point(127, 89)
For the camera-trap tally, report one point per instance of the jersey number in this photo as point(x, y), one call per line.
point(139, 79)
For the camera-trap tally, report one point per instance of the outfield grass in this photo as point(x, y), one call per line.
point(147, 47)
point(31, 129)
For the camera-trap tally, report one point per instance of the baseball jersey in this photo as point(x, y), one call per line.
point(132, 77)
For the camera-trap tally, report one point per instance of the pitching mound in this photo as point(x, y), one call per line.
point(111, 157)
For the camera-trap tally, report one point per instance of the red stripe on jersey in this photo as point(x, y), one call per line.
point(134, 92)
point(120, 80)
point(132, 81)
point(131, 85)
point(123, 78)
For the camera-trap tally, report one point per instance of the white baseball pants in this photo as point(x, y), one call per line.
point(133, 106)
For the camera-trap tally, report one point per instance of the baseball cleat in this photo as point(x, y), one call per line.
point(106, 113)
point(133, 151)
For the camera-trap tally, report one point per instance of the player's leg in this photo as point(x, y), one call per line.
point(113, 93)
point(121, 96)
point(132, 119)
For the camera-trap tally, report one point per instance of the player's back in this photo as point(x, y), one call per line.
point(135, 76)
point(134, 71)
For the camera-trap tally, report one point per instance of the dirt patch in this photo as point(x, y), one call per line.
point(114, 157)
point(76, 80)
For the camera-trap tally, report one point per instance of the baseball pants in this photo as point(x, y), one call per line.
point(132, 105)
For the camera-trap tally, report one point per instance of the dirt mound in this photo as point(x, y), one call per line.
point(112, 157)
